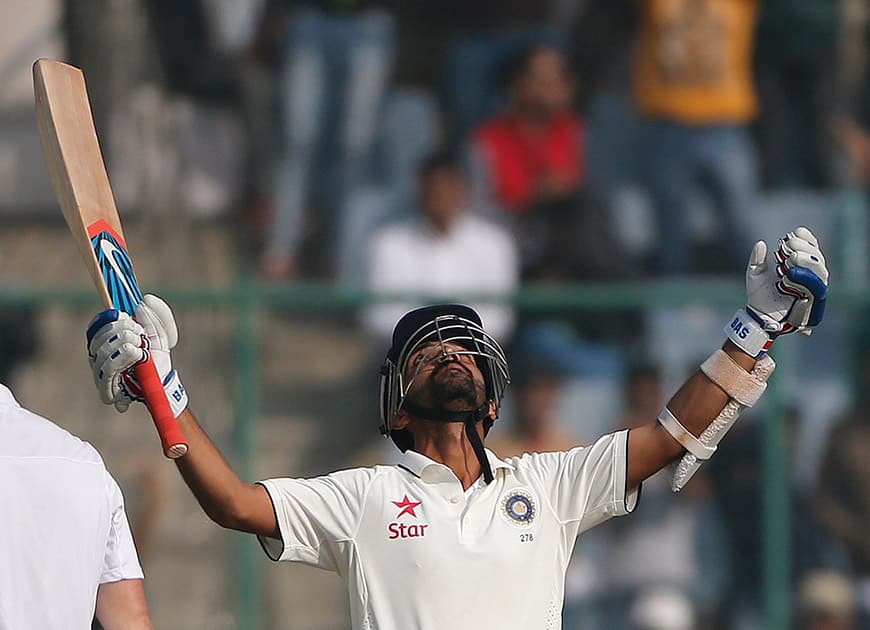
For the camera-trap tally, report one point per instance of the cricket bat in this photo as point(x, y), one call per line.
point(81, 185)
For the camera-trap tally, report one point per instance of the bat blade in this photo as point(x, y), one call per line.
point(73, 156)
point(81, 185)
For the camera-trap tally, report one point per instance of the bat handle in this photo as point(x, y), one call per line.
point(174, 444)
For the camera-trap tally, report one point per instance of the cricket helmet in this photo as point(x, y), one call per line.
point(438, 325)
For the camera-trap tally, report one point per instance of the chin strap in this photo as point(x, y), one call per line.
point(469, 417)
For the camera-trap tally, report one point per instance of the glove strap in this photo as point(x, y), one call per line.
point(746, 333)
point(176, 394)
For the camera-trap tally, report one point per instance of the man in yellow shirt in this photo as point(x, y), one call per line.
point(693, 88)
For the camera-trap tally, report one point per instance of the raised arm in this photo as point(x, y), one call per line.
point(785, 294)
point(116, 342)
point(651, 447)
point(226, 499)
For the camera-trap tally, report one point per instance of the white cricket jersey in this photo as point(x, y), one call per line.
point(63, 530)
point(417, 553)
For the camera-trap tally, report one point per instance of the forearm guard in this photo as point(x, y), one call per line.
point(744, 389)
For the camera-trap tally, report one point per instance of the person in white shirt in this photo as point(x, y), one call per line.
point(66, 548)
point(452, 536)
point(445, 250)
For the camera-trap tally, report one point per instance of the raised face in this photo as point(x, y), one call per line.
point(444, 381)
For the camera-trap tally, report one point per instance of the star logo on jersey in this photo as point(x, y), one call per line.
point(400, 531)
point(406, 506)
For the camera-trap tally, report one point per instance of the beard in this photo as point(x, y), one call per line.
point(446, 386)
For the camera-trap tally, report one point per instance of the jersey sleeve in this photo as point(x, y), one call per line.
point(120, 561)
point(587, 484)
point(316, 516)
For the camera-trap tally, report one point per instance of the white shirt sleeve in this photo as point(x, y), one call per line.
point(587, 483)
point(120, 561)
point(316, 516)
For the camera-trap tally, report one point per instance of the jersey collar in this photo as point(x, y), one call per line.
point(6, 397)
point(430, 471)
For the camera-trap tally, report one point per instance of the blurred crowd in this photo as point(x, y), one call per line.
point(562, 117)
point(466, 148)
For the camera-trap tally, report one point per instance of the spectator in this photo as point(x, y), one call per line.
point(676, 542)
point(644, 394)
point(693, 87)
point(738, 481)
point(843, 497)
point(17, 340)
point(538, 375)
point(662, 609)
point(335, 67)
point(826, 601)
point(190, 61)
point(485, 34)
point(258, 52)
point(527, 170)
point(797, 49)
point(446, 250)
point(853, 128)
point(533, 151)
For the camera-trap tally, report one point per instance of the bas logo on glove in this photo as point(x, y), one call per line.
point(784, 294)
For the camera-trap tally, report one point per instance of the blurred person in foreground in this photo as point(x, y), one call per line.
point(693, 88)
point(527, 167)
point(67, 550)
point(444, 249)
point(452, 536)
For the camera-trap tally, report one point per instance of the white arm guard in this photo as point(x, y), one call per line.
point(744, 388)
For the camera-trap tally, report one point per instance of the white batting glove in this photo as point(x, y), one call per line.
point(117, 343)
point(786, 292)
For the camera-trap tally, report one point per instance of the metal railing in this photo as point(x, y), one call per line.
point(247, 297)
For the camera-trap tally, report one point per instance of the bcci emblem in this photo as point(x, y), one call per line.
point(518, 508)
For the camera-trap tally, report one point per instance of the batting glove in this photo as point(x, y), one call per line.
point(786, 292)
point(118, 342)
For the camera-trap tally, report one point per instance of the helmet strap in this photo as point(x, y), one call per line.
point(477, 445)
point(469, 417)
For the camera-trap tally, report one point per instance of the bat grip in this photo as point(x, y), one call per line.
point(174, 444)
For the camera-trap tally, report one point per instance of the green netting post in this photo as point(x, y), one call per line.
point(247, 575)
point(776, 499)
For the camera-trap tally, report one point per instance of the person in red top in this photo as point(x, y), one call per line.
point(527, 171)
point(533, 151)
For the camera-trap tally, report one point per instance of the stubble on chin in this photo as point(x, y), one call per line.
point(446, 387)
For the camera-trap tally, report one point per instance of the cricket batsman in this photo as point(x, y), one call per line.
point(451, 536)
